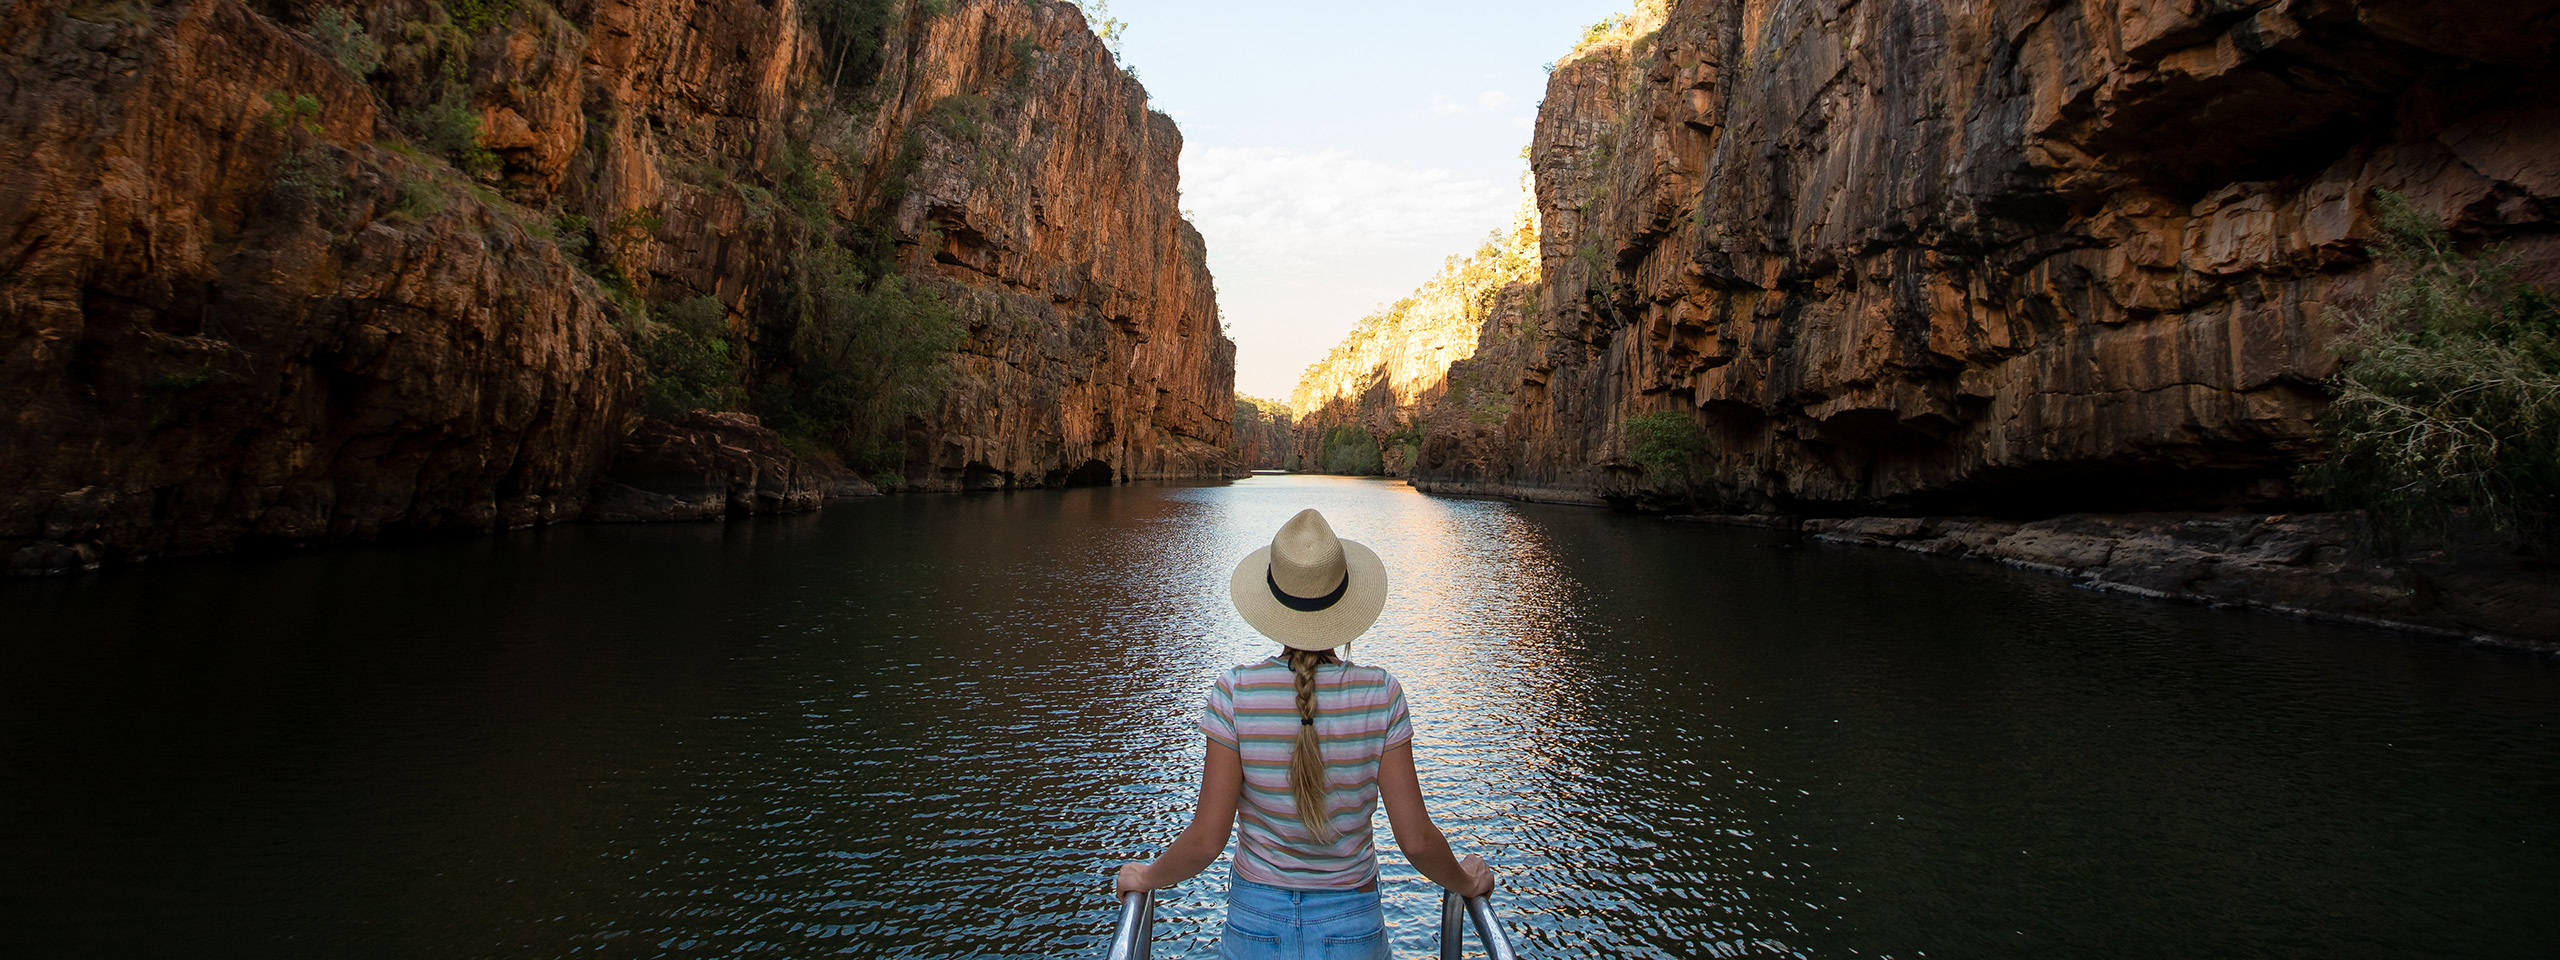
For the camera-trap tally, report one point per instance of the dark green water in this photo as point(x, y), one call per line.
point(929, 726)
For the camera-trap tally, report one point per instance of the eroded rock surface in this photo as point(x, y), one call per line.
point(706, 464)
point(214, 327)
point(242, 305)
point(1264, 434)
point(1913, 255)
point(1094, 352)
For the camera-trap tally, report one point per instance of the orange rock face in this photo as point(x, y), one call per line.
point(1387, 376)
point(1094, 346)
point(213, 329)
point(242, 306)
point(1263, 435)
point(1920, 255)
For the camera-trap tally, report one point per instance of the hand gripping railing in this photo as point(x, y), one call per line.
point(1135, 938)
point(1453, 932)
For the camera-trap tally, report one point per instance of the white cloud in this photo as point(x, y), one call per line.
point(1490, 101)
point(1276, 207)
point(1304, 244)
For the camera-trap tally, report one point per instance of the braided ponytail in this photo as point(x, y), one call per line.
point(1306, 767)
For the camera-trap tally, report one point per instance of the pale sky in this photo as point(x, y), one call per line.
point(1335, 152)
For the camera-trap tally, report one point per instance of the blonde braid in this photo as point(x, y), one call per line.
point(1306, 767)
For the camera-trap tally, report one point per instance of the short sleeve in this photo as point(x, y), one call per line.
point(1218, 718)
point(1399, 725)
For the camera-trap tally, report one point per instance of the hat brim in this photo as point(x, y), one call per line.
point(1325, 629)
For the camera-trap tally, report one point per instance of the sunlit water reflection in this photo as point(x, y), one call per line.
point(928, 727)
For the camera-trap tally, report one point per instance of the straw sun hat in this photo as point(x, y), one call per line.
point(1309, 589)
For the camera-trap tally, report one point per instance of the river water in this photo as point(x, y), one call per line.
point(929, 726)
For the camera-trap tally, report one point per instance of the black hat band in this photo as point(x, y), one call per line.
point(1304, 604)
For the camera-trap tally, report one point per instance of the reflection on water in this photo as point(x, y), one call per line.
point(928, 726)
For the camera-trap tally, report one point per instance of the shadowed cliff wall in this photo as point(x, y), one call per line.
point(1263, 434)
point(2004, 257)
point(242, 304)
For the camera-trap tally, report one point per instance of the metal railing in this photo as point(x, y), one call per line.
point(1453, 934)
point(1134, 938)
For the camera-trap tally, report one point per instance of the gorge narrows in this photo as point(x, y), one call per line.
point(768, 478)
point(2065, 285)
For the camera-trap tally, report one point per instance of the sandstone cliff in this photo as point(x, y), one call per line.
point(1094, 350)
point(1905, 255)
point(281, 274)
point(1362, 407)
point(1264, 431)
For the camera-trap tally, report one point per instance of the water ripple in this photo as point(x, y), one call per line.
point(928, 727)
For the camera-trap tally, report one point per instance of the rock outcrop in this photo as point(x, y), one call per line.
point(704, 465)
point(1264, 430)
point(1916, 256)
point(276, 274)
point(1044, 193)
point(217, 325)
point(1376, 388)
point(2318, 566)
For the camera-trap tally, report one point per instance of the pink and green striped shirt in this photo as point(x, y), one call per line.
point(1360, 712)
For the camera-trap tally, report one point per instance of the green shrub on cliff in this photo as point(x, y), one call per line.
point(1350, 449)
point(345, 39)
point(866, 353)
point(2448, 403)
point(690, 358)
point(569, 230)
point(1601, 32)
point(854, 34)
point(417, 199)
point(960, 116)
point(1669, 445)
point(803, 184)
point(1111, 29)
point(475, 16)
point(451, 129)
point(310, 176)
point(1025, 52)
point(293, 113)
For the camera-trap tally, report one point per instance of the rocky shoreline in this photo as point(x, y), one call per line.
point(2477, 589)
point(1531, 493)
point(2314, 566)
point(700, 465)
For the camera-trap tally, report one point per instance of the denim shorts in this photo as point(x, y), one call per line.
point(1272, 923)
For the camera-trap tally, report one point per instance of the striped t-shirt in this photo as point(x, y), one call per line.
point(1360, 712)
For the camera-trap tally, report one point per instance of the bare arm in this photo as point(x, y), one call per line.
point(1221, 784)
point(1400, 790)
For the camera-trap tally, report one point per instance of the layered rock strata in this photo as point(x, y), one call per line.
point(215, 329)
point(1912, 255)
point(1047, 199)
point(244, 305)
point(1263, 431)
